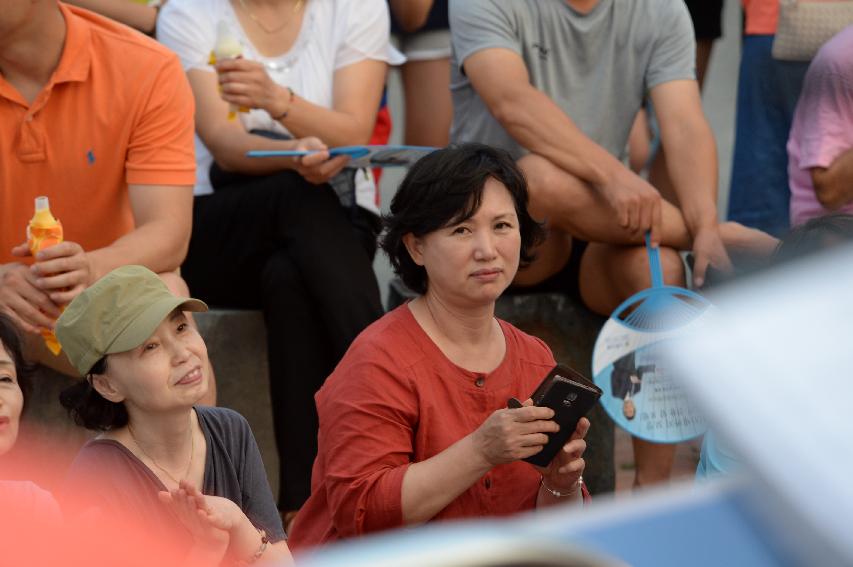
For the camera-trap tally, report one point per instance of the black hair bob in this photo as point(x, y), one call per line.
point(445, 188)
point(90, 409)
point(10, 336)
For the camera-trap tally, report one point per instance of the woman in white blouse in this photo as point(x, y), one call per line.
point(292, 236)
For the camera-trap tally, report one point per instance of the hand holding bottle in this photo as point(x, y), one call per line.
point(227, 48)
point(20, 297)
point(44, 232)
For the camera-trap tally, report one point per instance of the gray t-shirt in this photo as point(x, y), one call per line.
point(117, 481)
point(596, 67)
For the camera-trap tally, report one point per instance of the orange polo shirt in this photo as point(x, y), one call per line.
point(117, 111)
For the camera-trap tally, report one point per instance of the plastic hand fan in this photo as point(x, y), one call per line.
point(627, 363)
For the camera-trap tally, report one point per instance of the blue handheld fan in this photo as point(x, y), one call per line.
point(640, 395)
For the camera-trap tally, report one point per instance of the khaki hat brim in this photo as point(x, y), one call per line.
point(143, 326)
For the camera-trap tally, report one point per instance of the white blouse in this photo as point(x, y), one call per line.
point(334, 34)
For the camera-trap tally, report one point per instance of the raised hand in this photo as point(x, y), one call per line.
point(208, 518)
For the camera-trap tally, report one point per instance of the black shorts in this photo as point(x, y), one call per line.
point(707, 18)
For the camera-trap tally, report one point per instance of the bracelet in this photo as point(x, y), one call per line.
point(284, 114)
point(557, 493)
point(265, 540)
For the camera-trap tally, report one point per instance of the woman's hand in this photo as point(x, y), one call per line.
point(217, 523)
point(512, 434)
point(245, 83)
point(566, 469)
point(317, 168)
point(208, 518)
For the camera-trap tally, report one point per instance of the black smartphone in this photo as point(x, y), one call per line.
point(571, 395)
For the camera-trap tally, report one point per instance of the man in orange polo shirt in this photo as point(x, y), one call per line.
point(100, 119)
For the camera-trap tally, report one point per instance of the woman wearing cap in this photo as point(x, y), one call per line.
point(414, 424)
point(146, 367)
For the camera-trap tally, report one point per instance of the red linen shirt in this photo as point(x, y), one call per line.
point(395, 399)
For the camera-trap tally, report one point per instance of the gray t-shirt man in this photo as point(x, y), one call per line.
point(597, 67)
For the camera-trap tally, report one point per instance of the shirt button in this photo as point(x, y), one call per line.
point(479, 381)
point(488, 483)
point(28, 118)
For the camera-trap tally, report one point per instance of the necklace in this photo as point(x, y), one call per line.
point(156, 464)
point(296, 8)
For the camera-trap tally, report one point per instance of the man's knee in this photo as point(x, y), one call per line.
point(672, 267)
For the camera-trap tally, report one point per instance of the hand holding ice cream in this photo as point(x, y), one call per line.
point(245, 83)
point(227, 48)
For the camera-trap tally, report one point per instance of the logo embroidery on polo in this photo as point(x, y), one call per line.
point(543, 51)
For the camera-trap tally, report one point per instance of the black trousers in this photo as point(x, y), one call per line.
point(286, 247)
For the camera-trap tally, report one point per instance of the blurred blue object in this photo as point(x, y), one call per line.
point(708, 525)
point(716, 459)
point(772, 373)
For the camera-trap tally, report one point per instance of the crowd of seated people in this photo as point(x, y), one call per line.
point(380, 420)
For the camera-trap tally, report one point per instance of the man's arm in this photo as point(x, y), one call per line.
point(356, 93)
point(834, 184)
point(692, 165)
point(501, 79)
point(163, 219)
point(228, 141)
point(690, 149)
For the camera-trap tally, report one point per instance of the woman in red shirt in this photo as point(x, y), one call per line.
point(413, 421)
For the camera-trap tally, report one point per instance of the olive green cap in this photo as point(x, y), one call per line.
point(116, 314)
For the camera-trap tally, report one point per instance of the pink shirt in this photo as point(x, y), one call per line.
point(823, 123)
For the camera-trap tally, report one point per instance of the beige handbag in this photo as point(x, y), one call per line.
point(805, 25)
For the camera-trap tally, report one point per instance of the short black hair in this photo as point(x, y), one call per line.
point(10, 336)
point(445, 188)
point(89, 408)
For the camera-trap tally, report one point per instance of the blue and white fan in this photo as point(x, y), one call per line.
point(639, 392)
